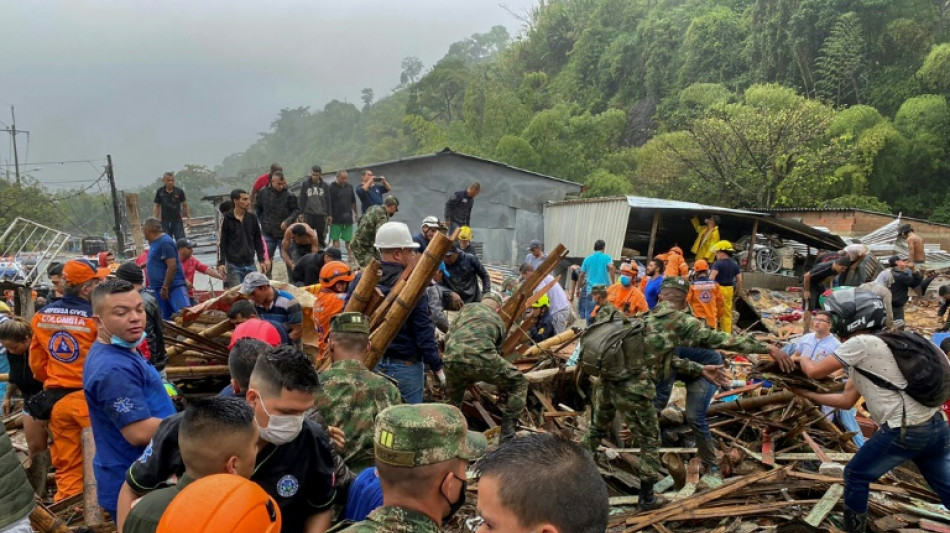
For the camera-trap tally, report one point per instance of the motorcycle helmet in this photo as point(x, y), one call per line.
point(854, 310)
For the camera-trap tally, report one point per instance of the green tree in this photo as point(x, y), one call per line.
point(603, 183)
point(366, 95)
point(411, 68)
point(841, 65)
point(935, 73)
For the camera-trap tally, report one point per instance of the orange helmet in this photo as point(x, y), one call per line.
point(335, 271)
point(226, 503)
point(700, 265)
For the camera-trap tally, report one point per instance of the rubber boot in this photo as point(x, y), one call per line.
point(37, 473)
point(508, 428)
point(648, 500)
point(855, 522)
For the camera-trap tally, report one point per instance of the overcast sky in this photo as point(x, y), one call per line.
point(163, 83)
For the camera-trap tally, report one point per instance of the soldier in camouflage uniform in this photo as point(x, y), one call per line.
point(666, 327)
point(422, 452)
point(372, 219)
point(350, 395)
point(471, 355)
point(603, 310)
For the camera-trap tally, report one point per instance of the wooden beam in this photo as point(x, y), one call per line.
point(653, 231)
point(825, 505)
point(92, 513)
point(750, 252)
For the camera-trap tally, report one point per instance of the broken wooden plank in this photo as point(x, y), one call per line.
point(738, 390)
point(825, 505)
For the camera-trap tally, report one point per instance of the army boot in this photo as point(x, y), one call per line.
point(855, 522)
point(648, 500)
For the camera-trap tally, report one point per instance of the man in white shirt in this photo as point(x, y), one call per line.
point(909, 430)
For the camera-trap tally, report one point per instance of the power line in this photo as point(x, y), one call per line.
point(68, 162)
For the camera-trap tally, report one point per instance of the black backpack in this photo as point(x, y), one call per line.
point(924, 366)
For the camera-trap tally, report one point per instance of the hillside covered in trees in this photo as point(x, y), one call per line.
point(744, 103)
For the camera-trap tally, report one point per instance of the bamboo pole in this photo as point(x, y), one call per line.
point(403, 305)
point(365, 289)
point(44, 521)
point(512, 308)
point(208, 333)
point(380, 312)
point(563, 337)
point(748, 404)
point(92, 513)
point(183, 372)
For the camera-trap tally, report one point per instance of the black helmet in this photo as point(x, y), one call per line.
point(854, 310)
point(904, 229)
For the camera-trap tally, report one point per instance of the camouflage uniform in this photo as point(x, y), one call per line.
point(417, 435)
point(351, 396)
point(471, 355)
point(665, 329)
point(364, 240)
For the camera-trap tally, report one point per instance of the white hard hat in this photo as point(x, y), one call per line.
point(430, 222)
point(393, 235)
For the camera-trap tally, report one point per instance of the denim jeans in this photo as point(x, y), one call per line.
point(236, 273)
point(271, 244)
point(585, 306)
point(699, 392)
point(174, 228)
point(410, 377)
point(177, 300)
point(927, 445)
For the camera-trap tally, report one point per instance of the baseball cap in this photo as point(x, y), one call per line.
point(599, 289)
point(78, 271)
point(253, 281)
point(185, 243)
point(350, 322)
point(700, 265)
point(675, 282)
point(452, 250)
point(892, 261)
point(424, 434)
point(534, 244)
point(628, 267)
point(494, 296)
point(431, 222)
point(255, 328)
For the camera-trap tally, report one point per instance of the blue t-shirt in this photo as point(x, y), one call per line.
point(652, 291)
point(366, 494)
point(727, 270)
point(163, 248)
point(121, 388)
point(372, 196)
point(596, 268)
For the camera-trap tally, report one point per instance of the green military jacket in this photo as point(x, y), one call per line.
point(147, 513)
point(365, 238)
point(389, 519)
point(350, 398)
point(607, 311)
point(16, 495)
point(477, 331)
point(667, 328)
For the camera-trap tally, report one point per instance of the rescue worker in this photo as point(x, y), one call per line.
point(666, 326)
point(422, 452)
point(363, 242)
point(542, 326)
point(335, 278)
point(350, 394)
point(624, 294)
point(705, 298)
point(725, 271)
point(430, 226)
point(63, 333)
point(675, 263)
point(460, 276)
point(472, 355)
point(603, 309)
point(708, 236)
point(414, 347)
point(234, 505)
point(465, 239)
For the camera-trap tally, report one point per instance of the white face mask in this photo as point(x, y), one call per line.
point(282, 428)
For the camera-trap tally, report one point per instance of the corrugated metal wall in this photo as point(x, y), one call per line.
point(577, 225)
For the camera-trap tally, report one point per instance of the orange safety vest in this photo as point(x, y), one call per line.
point(705, 300)
point(63, 332)
point(331, 304)
point(628, 299)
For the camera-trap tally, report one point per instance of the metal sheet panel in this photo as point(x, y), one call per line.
point(644, 202)
point(578, 224)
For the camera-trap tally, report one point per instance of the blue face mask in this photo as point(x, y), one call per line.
point(625, 281)
point(115, 340)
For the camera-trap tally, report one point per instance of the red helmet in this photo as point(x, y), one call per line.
point(335, 271)
point(221, 503)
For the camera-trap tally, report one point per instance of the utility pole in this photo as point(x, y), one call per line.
point(13, 132)
point(119, 234)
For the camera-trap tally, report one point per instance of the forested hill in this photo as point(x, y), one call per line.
point(743, 103)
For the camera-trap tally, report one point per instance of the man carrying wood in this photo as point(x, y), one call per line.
point(666, 326)
point(471, 355)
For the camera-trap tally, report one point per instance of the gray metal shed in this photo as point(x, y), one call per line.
point(507, 214)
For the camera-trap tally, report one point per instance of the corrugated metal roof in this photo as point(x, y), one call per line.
point(846, 210)
point(659, 203)
point(578, 224)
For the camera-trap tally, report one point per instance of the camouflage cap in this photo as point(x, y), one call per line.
point(423, 434)
point(391, 200)
point(350, 323)
point(675, 282)
point(493, 296)
point(598, 289)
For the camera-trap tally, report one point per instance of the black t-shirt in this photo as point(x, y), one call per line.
point(342, 198)
point(821, 272)
point(22, 376)
point(727, 270)
point(170, 202)
point(298, 475)
point(307, 269)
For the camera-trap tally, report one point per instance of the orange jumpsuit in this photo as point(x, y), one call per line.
point(675, 263)
point(63, 332)
point(331, 304)
point(706, 301)
point(628, 299)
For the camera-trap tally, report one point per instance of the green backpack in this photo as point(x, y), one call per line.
point(612, 349)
